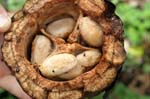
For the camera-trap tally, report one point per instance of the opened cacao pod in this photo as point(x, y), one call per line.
point(65, 49)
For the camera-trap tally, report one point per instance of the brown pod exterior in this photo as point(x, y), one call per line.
point(33, 17)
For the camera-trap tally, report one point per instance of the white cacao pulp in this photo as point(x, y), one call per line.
point(76, 71)
point(61, 28)
point(67, 66)
point(41, 47)
point(89, 58)
point(91, 32)
point(58, 64)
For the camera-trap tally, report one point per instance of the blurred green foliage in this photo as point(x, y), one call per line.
point(136, 24)
point(121, 91)
point(136, 21)
point(14, 5)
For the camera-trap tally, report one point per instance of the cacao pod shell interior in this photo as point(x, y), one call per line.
point(34, 16)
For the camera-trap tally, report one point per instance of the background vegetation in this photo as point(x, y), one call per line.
point(134, 82)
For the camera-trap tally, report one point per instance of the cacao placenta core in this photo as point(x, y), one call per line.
point(63, 49)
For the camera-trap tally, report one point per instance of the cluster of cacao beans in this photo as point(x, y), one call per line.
point(67, 65)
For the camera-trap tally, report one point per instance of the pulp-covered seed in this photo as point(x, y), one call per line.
point(61, 28)
point(89, 58)
point(41, 48)
point(91, 32)
point(58, 64)
point(76, 71)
